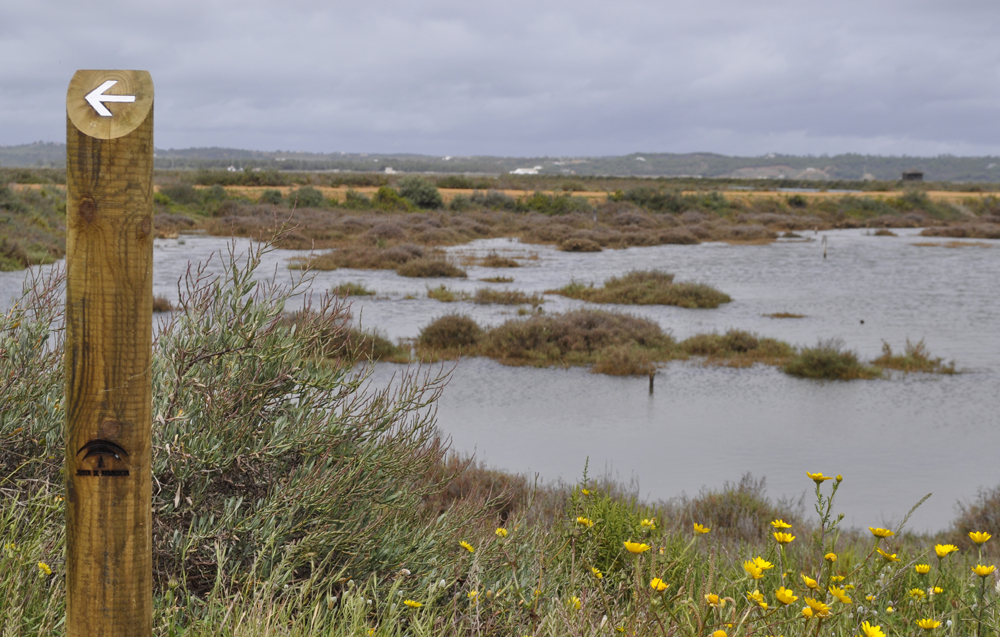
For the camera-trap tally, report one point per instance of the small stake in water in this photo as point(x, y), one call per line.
point(109, 325)
point(652, 375)
point(824, 246)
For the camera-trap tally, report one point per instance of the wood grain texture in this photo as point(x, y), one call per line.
point(108, 392)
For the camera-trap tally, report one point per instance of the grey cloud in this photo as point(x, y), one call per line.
point(524, 78)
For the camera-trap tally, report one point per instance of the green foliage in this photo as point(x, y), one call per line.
point(494, 200)
point(915, 358)
point(388, 198)
point(354, 200)
point(271, 197)
point(420, 192)
point(450, 332)
point(306, 197)
point(32, 226)
point(182, 193)
point(267, 466)
point(553, 204)
point(829, 361)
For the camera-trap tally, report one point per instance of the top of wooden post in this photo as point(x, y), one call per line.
point(109, 104)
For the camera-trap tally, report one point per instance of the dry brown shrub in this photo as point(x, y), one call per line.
point(430, 267)
point(579, 245)
point(450, 332)
point(680, 236)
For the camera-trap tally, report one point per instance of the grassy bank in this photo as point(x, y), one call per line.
point(290, 498)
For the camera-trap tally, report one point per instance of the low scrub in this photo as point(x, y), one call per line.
point(487, 296)
point(498, 279)
point(650, 287)
point(915, 358)
point(737, 348)
point(364, 258)
point(450, 333)
point(494, 260)
point(829, 361)
point(430, 267)
point(351, 288)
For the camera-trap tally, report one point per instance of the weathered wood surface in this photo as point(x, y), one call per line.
point(109, 274)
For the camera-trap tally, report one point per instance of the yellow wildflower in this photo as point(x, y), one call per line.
point(819, 608)
point(473, 596)
point(889, 557)
point(597, 574)
point(937, 590)
point(412, 604)
point(872, 631)
point(781, 524)
point(574, 602)
point(715, 601)
point(837, 578)
point(840, 595)
point(468, 547)
point(917, 594)
point(881, 533)
point(649, 525)
point(943, 550)
point(658, 585)
point(830, 557)
point(785, 596)
point(980, 570)
point(636, 547)
point(585, 491)
point(755, 596)
point(43, 569)
point(928, 624)
point(501, 532)
point(587, 522)
point(810, 582)
point(701, 529)
point(979, 536)
point(922, 569)
point(818, 478)
point(762, 563)
point(783, 538)
point(890, 609)
point(807, 612)
point(753, 570)
point(719, 633)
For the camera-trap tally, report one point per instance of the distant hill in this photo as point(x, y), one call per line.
point(848, 167)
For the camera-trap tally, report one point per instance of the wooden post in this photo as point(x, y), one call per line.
point(109, 304)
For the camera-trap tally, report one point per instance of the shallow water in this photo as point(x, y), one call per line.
point(894, 441)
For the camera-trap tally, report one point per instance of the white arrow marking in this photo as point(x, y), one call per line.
point(97, 96)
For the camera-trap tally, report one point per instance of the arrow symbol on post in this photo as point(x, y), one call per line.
point(97, 96)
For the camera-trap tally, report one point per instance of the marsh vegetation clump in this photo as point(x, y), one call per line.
point(488, 296)
point(829, 361)
point(351, 288)
point(737, 348)
point(647, 287)
point(915, 358)
point(162, 304)
point(430, 267)
point(581, 337)
point(451, 333)
point(493, 260)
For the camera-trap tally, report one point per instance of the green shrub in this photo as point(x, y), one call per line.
point(553, 204)
point(829, 361)
point(420, 192)
point(268, 467)
point(271, 197)
point(307, 197)
point(355, 200)
point(915, 358)
point(493, 199)
point(387, 198)
point(450, 332)
point(184, 194)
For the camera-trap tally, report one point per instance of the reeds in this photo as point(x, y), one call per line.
point(915, 358)
point(829, 361)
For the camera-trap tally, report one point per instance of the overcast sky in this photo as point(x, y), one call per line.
point(524, 77)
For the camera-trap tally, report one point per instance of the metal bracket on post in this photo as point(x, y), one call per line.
point(109, 304)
